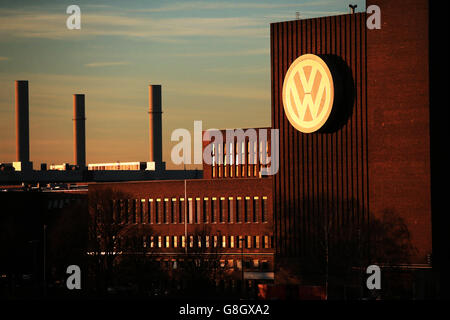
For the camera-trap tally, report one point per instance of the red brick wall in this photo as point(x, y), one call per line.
point(398, 111)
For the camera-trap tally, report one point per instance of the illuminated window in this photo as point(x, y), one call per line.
point(190, 210)
point(159, 241)
point(175, 241)
point(152, 241)
point(207, 241)
point(256, 242)
point(191, 241)
point(264, 209)
point(167, 241)
point(224, 241)
point(183, 241)
point(215, 242)
point(231, 241)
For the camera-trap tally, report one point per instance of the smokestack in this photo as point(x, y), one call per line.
point(22, 122)
point(155, 124)
point(79, 131)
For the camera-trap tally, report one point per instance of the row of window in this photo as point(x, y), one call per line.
point(231, 264)
point(199, 241)
point(196, 210)
point(231, 163)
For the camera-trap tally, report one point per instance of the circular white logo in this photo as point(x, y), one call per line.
point(308, 93)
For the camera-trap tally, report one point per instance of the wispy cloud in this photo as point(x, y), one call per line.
point(4, 58)
point(204, 5)
point(247, 70)
point(106, 64)
point(22, 23)
point(235, 53)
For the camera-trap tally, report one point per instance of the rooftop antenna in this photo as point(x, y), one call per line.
point(297, 15)
point(352, 8)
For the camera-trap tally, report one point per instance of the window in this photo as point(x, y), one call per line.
point(181, 211)
point(165, 210)
point(221, 209)
point(149, 211)
point(197, 210)
point(175, 241)
point(157, 206)
point(135, 210)
point(265, 243)
point(230, 209)
point(159, 241)
point(191, 241)
point(240, 241)
point(205, 210)
point(167, 241)
point(199, 241)
point(248, 242)
point(256, 241)
point(183, 241)
point(213, 210)
point(215, 242)
point(126, 206)
point(246, 209)
point(172, 210)
point(207, 241)
point(190, 210)
point(255, 209)
point(238, 213)
point(264, 209)
point(141, 211)
point(224, 241)
point(152, 241)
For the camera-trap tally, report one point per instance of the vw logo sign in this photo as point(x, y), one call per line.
point(308, 93)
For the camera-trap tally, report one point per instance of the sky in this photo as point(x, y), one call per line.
point(212, 59)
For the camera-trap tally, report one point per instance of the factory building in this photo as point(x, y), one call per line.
point(352, 106)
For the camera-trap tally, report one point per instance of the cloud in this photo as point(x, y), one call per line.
point(23, 23)
point(4, 58)
point(236, 53)
point(204, 5)
point(106, 64)
point(246, 70)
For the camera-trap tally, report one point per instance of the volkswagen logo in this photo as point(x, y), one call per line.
point(308, 93)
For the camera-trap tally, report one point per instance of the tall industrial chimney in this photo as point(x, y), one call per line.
point(79, 131)
point(155, 124)
point(22, 122)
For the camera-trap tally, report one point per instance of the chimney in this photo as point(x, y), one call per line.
point(22, 122)
point(155, 123)
point(79, 131)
